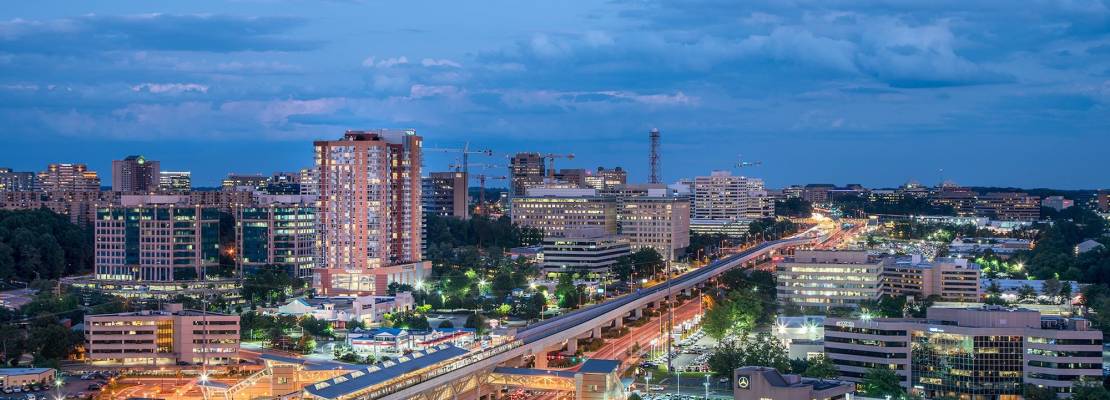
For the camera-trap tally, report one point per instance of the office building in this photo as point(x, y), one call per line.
point(12, 181)
point(953, 279)
point(984, 353)
point(156, 242)
point(606, 178)
point(572, 176)
point(170, 336)
point(590, 253)
point(281, 233)
point(817, 193)
point(830, 279)
point(761, 383)
point(556, 212)
point(283, 183)
point(526, 170)
point(803, 336)
point(1058, 203)
point(1007, 206)
point(731, 228)
point(369, 210)
point(657, 221)
point(722, 196)
point(1103, 200)
point(244, 182)
point(61, 177)
point(445, 195)
point(175, 181)
point(135, 174)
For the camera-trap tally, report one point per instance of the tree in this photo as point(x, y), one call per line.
point(882, 382)
point(446, 324)
point(759, 350)
point(718, 321)
point(820, 367)
point(476, 322)
point(793, 207)
point(566, 292)
point(316, 327)
point(1086, 389)
point(1027, 294)
point(1051, 289)
point(736, 315)
point(1034, 392)
point(647, 262)
point(306, 344)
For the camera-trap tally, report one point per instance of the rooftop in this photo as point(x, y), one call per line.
point(379, 373)
point(23, 371)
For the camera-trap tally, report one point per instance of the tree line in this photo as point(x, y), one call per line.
point(40, 244)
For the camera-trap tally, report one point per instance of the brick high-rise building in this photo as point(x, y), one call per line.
point(63, 177)
point(369, 210)
point(135, 174)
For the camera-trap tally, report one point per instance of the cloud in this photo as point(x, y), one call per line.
point(386, 63)
point(171, 88)
point(441, 62)
point(166, 32)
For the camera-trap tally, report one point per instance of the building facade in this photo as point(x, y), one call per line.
point(951, 279)
point(280, 234)
point(175, 181)
point(656, 221)
point(62, 177)
point(171, 336)
point(722, 196)
point(760, 383)
point(135, 174)
point(445, 194)
point(156, 242)
point(369, 208)
point(13, 181)
point(235, 181)
point(977, 353)
point(605, 178)
point(526, 170)
point(829, 279)
point(589, 253)
point(557, 212)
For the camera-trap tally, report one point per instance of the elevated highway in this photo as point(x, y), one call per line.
point(537, 339)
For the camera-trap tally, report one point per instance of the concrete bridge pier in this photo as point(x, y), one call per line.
point(638, 313)
point(572, 346)
point(618, 323)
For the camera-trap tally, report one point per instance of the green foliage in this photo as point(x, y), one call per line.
point(793, 207)
point(1054, 256)
point(445, 233)
point(257, 326)
point(569, 295)
point(269, 286)
point(760, 350)
point(885, 307)
point(316, 327)
point(822, 368)
point(646, 263)
point(882, 382)
point(771, 228)
point(477, 322)
point(38, 244)
point(306, 344)
point(738, 314)
point(1034, 392)
point(408, 320)
point(1089, 390)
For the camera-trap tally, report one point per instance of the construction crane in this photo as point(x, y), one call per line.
point(746, 164)
point(551, 162)
point(482, 190)
point(466, 151)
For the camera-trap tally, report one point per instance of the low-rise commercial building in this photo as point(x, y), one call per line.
point(397, 341)
point(760, 383)
point(1057, 203)
point(589, 253)
point(338, 311)
point(167, 337)
point(988, 352)
point(15, 377)
point(953, 279)
point(829, 279)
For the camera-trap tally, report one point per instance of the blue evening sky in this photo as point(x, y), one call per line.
point(872, 92)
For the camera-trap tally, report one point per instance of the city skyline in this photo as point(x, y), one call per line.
point(841, 93)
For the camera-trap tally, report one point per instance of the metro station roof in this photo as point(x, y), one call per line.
point(379, 373)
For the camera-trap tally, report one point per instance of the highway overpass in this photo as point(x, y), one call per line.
point(537, 339)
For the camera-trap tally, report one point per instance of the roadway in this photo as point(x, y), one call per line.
point(538, 337)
